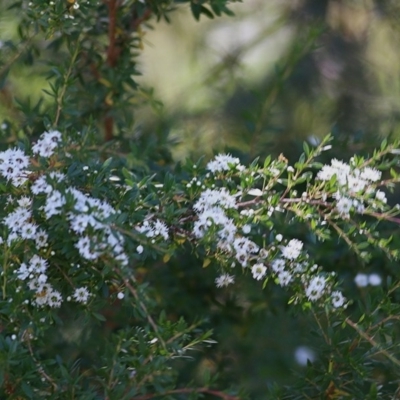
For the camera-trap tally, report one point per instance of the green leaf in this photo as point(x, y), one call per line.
point(107, 163)
point(267, 161)
point(306, 148)
point(99, 317)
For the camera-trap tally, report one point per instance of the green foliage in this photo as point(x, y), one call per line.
point(126, 276)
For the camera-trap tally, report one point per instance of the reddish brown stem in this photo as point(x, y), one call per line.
point(112, 57)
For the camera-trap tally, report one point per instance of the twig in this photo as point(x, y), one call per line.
point(370, 340)
point(39, 367)
point(142, 305)
point(17, 55)
point(60, 97)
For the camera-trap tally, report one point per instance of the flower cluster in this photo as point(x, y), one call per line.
point(221, 217)
point(285, 260)
point(49, 196)
point(224, 162)
point(153, 229)
point(13, 166)
point(355, 186)
point(47, 144)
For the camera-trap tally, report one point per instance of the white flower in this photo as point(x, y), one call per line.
point(54, 299)
point(218, 197)
point(337, 299)
point(278, 265)
point(23, 272)
point(374, 280)
point(139, 249)
point(361, 280)
point(209, 216)
point(28, 231)
point(381, 196)
point(151, 229)
point(120, 295)
point(315, 288)
point(284, 278)
point(13, 164)
point(228, 231)
point(42, 278)
point(80, 222)
point(17, 218)
point(292, 250)
point(41, 186)
point(41, 238)
point(344, 206)
point(258, 271)
point(47, 143)
point(371, 174)
point(221, 163)
point(246, 229)
point(37, 264)
point(53, 205)
point(279, 237)
point(84, 247)
point(160, 229)
point(81, 295)
point(304, 354)
point(224, 280)
point(25, 202)
point(355, 184)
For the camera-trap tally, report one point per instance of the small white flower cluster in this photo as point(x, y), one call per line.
point(35, 273)
point(354, 184)
point(292, 266)
point(217, 197)
point(85, 215)
point(224, 162)
point(47, 144)
point(13, 165)
point(224, 280)
point(86, 218)
point(153, 229)
point(289, 267)
point(210, 210)
point(20, 228)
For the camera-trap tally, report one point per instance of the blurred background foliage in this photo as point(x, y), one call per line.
point(276, 74)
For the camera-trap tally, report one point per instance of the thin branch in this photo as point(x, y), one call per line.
point(370, 340)
point(142, 305)
point(39, 367)
point(17, 55)
point(66, 76)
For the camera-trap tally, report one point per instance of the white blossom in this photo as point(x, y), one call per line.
point(292, 250)
point(258, 270)
point(221, 163)
point(224, 280)
point(81, 295)
point(337, 299)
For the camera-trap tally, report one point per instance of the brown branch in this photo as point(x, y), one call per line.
point(112, 58)
point(212, 392)
point(138, 20)
point(26, 337)
point(372, 342)
point(112, 51)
